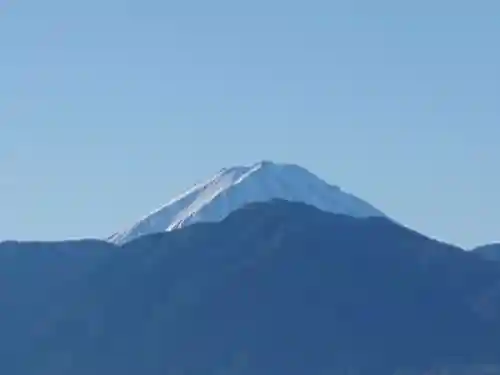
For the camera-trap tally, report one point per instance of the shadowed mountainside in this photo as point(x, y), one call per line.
point(490, 252)
point(275, 288)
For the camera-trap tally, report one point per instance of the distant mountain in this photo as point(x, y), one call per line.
point(491, 252)
point(274, 288)
point(233, 188)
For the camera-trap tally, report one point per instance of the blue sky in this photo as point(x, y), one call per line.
point(109, 108)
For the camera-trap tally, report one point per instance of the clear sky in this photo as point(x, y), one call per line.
point(109, 108)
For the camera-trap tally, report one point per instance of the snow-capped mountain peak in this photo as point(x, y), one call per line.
point(232, 188)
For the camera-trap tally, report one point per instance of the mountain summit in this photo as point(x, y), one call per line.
point(232, 188)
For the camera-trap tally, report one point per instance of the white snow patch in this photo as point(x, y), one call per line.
point(233, 188)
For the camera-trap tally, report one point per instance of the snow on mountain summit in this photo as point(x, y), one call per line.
point(233, 188)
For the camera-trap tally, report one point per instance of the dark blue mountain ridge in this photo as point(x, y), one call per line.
point(275, 288)
point(490, 251)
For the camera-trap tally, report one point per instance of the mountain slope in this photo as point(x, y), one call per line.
point(233, 188)
point(275, 288)
point(490, 252)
